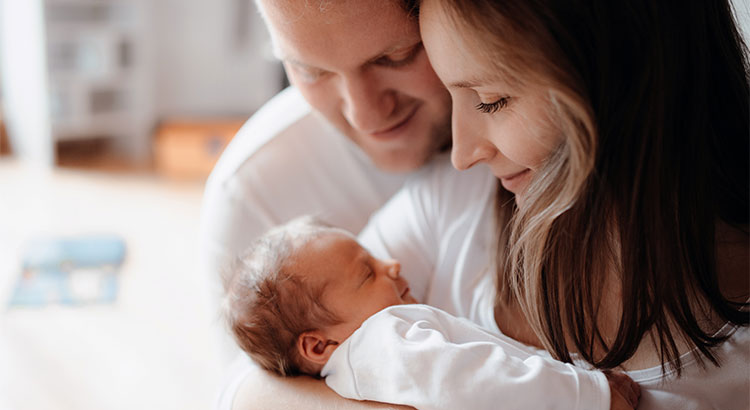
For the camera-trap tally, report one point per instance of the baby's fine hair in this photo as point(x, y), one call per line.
point(267, 306)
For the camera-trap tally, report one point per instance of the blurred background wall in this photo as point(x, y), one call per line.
point(94, 72)
point(213, 58)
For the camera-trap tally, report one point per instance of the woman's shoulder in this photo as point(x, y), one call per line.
point(702, 385)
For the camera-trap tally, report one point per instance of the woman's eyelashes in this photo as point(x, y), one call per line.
point(493, 107)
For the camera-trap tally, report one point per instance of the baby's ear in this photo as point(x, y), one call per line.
point(315, 347)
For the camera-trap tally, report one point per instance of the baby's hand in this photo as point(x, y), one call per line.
point(624, 392)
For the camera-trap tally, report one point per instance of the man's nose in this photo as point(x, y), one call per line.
point(368, 103)
point(470, 146)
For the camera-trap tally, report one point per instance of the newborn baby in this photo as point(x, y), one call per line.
point(308, 299)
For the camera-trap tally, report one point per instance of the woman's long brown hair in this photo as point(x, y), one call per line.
point(652, 97)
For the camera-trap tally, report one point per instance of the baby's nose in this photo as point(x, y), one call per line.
point(393, 269)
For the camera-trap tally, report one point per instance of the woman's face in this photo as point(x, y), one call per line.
point(495, 122)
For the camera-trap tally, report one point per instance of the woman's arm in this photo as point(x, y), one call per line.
point(261, 390)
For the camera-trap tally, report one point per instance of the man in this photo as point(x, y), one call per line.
point(366, 110)
point(361, 65)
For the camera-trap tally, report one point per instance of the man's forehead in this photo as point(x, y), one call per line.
point(323, 11)
point(318, 33)
point(291, 11)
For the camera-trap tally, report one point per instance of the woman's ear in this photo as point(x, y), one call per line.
point(315, 347)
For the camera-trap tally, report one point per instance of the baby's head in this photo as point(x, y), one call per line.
point(301, 289)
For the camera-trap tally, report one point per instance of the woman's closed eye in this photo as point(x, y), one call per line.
point(493, 107)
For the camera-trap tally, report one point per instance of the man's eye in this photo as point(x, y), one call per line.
point(306, 75)
point(493, 107)
point(400, 59)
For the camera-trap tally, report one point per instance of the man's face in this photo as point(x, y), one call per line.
point(361, 64)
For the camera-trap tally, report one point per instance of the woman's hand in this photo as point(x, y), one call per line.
point(624, 392)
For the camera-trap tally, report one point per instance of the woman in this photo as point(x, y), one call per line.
point(619, 134)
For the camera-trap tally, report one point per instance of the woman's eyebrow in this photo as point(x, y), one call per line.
point(470, 83)
point(462, 84)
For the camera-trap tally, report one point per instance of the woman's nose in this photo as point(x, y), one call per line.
point(470, 147)
point(465, 156)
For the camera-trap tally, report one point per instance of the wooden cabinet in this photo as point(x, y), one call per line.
point(189, 149)
point(4, 144)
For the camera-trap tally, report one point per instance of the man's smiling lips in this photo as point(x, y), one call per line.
point(395, 130)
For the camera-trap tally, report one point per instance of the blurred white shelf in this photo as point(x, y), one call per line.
point(98, 76)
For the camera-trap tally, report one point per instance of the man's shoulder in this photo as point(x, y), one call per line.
point(279, 168)
point(284, 119)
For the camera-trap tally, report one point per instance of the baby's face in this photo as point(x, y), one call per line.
point(358, 284)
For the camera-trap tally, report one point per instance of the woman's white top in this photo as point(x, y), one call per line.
point(441, 228)
point(420, 356)
point(698, 388)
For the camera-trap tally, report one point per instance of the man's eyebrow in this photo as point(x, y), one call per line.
point(413, 48)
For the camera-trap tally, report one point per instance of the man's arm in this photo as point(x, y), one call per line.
point(261, 390)
point(237, 205)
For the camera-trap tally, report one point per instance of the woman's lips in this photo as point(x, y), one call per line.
point(513, 182)
point(509, 177)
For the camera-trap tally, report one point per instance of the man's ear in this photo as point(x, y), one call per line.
point(315, 347)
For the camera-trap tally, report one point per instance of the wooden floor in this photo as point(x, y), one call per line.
point(156, 347)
